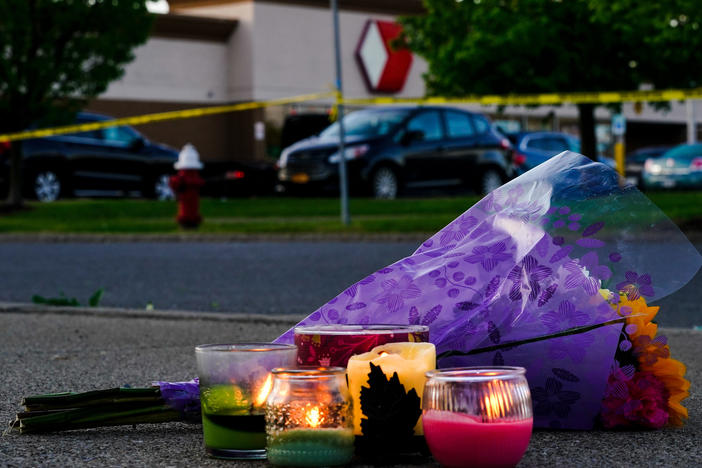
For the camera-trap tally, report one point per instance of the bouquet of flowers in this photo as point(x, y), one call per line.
point(548, 272)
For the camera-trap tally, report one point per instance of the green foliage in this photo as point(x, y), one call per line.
point(531, 46)
point(62, 300)
point(57, 54)
point(534, 46)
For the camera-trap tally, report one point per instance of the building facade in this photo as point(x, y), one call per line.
point(214, 52)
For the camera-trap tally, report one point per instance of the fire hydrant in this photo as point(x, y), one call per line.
point(186, 186)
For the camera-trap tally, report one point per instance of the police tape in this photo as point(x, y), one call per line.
point(160, 117)
point(609, 97)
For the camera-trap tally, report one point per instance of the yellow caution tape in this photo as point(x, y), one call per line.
point(495, 100)
point(608, 97)
point(159, 117)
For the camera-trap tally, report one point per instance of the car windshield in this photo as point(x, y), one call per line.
point(684, 152)
point(367, 123)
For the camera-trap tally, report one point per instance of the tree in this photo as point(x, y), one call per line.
point(55, 55)
point(538, 46)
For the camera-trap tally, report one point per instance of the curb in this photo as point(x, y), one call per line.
point(417, 238)
point(122, 313)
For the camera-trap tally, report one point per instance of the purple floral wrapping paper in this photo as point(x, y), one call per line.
point(183, 397)
point(526, 263)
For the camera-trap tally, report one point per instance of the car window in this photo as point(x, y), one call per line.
point(427, 122)
point(685, 152)
point(480, 123)
point(367, 123)
point(548, 144)
point(92, 135)
point(124, 136)
point(458, 125)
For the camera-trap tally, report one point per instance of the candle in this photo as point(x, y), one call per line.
point(333, 345)
point(477, 417)
point(234, 382)
point(311, 447)
point(461, 440)
point(410, 360)
point(308, 418)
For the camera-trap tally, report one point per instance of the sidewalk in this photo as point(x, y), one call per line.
point(57, 349)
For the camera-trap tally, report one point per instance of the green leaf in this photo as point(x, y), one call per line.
point(94, 300)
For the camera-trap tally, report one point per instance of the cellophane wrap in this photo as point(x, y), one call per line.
point(516, 280)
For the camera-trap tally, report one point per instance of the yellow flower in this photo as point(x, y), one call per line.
point(669, 371)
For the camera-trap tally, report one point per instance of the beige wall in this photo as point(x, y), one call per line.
point(174, 70)
point(294, 52)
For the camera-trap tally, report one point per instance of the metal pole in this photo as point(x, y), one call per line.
point(343, 187)
point(691, 122)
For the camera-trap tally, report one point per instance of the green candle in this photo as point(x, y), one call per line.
point(311, 447)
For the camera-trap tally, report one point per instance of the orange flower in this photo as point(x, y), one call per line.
point(669, 371)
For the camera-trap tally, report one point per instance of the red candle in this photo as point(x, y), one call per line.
point(333, 345)
point(459, 440)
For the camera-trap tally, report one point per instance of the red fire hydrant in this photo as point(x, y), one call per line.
point(186, 186)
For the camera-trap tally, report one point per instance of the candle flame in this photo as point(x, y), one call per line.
point(383, 353)
point(314, 417)
point(496, 401)
point(265, 390)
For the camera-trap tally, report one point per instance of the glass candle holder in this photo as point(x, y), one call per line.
point(235, 380)
point(308, 418)
point(477, 417)
point(333, 345)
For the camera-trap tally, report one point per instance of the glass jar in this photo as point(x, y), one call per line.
point(477, 417)
point(234, 383)
point(333, 345)
point(308, 418)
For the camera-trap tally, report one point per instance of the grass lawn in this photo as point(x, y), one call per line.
point(277, 215)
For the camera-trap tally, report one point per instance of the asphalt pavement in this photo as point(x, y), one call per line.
point(49, 350)
point(226, 277)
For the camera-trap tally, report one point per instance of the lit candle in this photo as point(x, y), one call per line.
point(461, 440)
point(308, 418)
point(410, 360)
point(477, 418)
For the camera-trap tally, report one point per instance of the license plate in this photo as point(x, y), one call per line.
point(632, 180)
point(300, 178)
point(668, 183)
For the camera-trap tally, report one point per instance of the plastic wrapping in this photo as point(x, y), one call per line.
point(516, 280)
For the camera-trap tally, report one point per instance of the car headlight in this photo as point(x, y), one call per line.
point(351, 152)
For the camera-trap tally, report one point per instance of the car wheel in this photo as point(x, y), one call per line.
point(490, 179)
point(46, 186)
point(385, 183)
point(162, 190)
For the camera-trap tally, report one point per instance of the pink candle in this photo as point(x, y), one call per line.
point(459, 440)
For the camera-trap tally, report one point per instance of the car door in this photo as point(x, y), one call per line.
point(422, 142)
point(461, 151)
point(110, 161)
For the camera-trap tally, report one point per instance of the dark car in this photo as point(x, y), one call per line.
point(534, 148)
point(107, 161)
point(680, 167)
point(390, 148)
point(118, 161)
point(636, 159)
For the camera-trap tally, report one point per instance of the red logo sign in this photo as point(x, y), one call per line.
point(384, 68)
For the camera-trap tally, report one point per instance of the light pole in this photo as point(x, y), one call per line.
point(343, 187)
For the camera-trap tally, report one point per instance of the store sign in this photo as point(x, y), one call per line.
point(384, 68)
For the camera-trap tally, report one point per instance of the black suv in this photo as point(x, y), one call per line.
point(107, 161)
point(388, 148)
